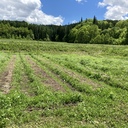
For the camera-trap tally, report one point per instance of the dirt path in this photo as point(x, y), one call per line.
point(6, 77)
point(46, 79)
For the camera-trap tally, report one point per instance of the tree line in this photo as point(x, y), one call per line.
point(91, 31)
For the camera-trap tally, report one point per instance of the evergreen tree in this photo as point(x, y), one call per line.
point(81, 20)
point(95, 21)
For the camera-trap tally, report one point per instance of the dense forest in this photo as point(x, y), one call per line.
point(86, 31)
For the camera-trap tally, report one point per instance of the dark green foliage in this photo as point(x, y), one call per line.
point(95, 21)
point(126, 37)
point(8, 31)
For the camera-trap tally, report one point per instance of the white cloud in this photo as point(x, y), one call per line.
point(81, 1)
point(78, 1)
point(74, 21)
point(28, 10)
point(116, 9)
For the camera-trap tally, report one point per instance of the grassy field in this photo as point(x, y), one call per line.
point(61, 85)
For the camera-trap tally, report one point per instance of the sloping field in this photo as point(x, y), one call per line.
point(55, 85)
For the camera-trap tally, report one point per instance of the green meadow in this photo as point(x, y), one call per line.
point(63, 85)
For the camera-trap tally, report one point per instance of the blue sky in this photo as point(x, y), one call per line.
point(61, 12)
point(72, 10)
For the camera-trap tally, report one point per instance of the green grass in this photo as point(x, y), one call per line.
point(94, 77)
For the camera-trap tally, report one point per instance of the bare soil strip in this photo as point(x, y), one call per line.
point(6, 76)
point(46, 79)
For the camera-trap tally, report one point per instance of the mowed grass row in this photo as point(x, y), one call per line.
point(103, 105)
point(112, 71)
point(29, 99)
point(4, 59)
point(39, 46)
point(32, 103)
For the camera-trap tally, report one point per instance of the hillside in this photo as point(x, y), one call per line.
point(91, 31)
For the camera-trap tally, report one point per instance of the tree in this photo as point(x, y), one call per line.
point(122, 24)
point(126, 37)
point(97, 40)
point(83, 35)
point(108, 39)
point(95, 21)
point(93, 31)
point(81, 20)
point(72, 35)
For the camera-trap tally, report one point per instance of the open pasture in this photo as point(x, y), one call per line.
point(47, 84)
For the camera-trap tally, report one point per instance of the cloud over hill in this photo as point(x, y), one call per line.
point(28, 10)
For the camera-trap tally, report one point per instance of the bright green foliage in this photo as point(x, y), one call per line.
point(84, 34)
point(100, 32)
point(99, 39)
point(72, 35)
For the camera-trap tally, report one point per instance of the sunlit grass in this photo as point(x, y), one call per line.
point(95, 79)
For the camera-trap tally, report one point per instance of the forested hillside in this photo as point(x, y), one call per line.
point(86, 31)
